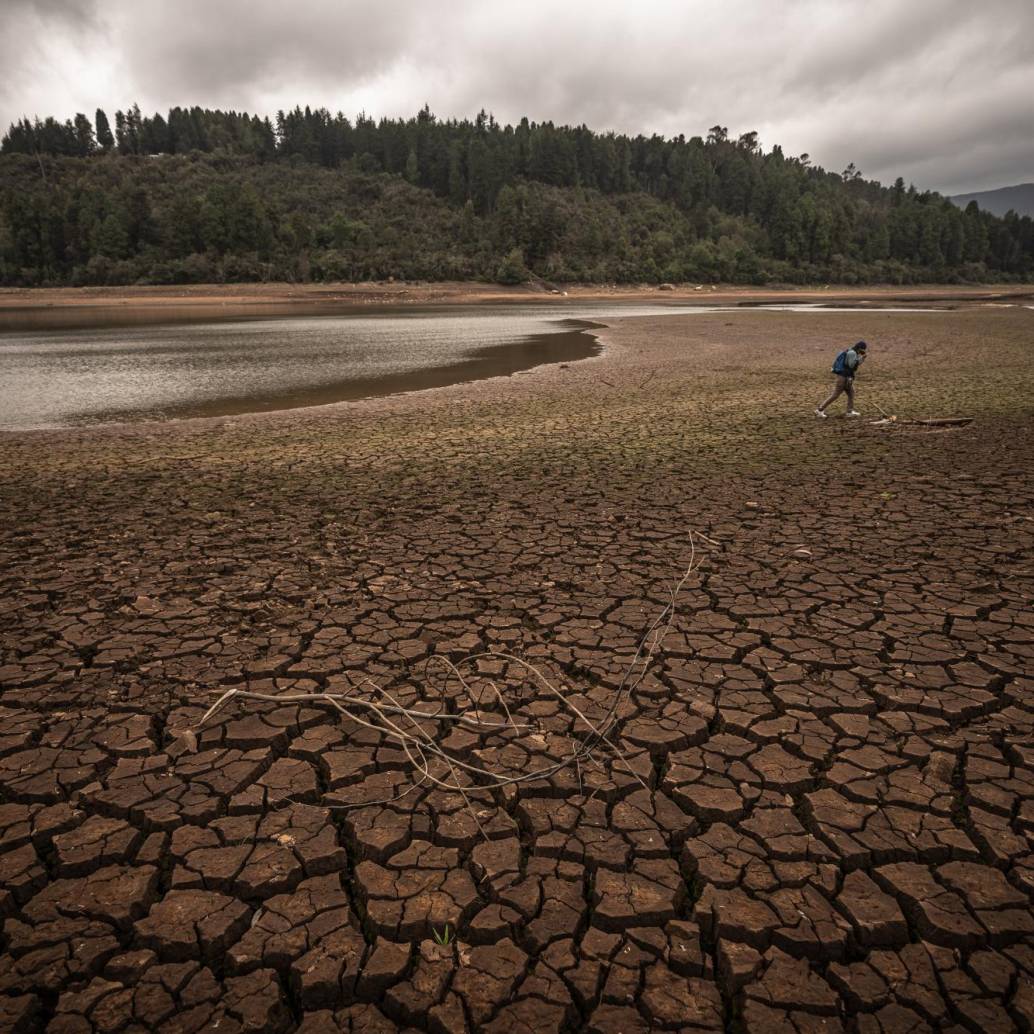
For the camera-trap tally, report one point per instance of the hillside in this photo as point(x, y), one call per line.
point(208, 196)
point(1018, 199)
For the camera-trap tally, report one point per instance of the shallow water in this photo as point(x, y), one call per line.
point(110, 374)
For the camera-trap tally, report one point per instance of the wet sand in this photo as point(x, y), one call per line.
point(28, 309)
point(837, 733)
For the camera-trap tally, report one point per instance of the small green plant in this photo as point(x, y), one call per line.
point(444, 937)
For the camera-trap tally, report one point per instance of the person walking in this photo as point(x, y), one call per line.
point(845, 368)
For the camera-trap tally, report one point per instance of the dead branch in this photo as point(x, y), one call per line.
point(484, 711)
point(951, 421)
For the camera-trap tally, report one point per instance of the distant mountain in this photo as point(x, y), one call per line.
point(1019, 198)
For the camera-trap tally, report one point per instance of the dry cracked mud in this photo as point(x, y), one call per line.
point(836, 737)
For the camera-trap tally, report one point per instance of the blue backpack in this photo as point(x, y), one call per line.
point(840, 366)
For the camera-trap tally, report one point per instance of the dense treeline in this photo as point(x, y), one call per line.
point(203, 195)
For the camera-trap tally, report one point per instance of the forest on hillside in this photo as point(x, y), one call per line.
point(201, 196)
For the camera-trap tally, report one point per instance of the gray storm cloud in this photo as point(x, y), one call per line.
point(935, 91)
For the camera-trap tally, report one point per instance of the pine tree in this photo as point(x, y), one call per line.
point(104, 138)
point(976, 237)
point(457, 183)
point(412, 168)
point(84, 136)
point(121, 138)
point(134, 126)
point(112, 235)
point(512, 269)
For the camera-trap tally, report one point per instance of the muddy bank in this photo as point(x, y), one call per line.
point(26, 309)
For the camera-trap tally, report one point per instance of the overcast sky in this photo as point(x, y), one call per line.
point(937, 91)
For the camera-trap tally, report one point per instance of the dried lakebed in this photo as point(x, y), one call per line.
point(103, 374)
point(836, 736)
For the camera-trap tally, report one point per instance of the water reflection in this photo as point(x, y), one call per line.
point(52, 378)
point(68, 377)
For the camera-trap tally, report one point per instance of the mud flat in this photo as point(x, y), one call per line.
point(836, 735)
point(36, 308)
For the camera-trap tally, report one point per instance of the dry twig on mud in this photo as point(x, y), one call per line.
point(480, 707)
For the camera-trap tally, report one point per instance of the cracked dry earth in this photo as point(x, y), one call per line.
point(836, 736)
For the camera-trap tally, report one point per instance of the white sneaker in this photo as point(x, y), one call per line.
point(853, 412)
point(818, 412)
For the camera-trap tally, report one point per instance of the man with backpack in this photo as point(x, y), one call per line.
point(845, 366)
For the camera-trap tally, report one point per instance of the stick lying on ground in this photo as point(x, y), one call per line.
point(948, 421)
point(952, 421)
point(411, 727)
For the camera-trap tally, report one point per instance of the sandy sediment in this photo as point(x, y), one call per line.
point(835, 734)
point(65, 307)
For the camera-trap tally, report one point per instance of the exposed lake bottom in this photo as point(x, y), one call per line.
point(71, 377)
point(492, 361)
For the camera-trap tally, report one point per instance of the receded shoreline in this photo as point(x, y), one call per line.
point(106, 375)
point(520, 349)
point(505, 360)
point(68, 308)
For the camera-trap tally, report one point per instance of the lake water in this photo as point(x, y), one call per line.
point(100, 375)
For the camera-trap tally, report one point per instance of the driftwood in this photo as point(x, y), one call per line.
point(950, 421)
